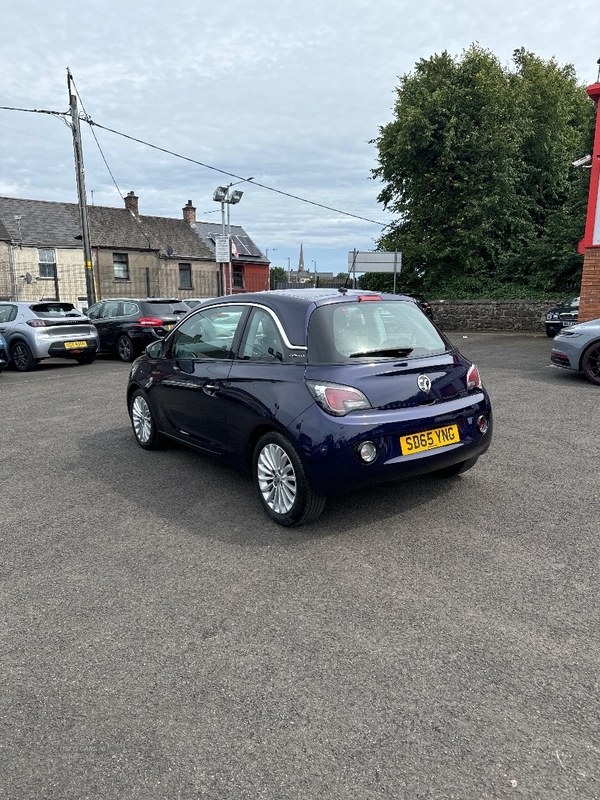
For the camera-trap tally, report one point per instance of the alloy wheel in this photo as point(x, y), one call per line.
point(125, 349)
point(141, 419)
point(276, 478)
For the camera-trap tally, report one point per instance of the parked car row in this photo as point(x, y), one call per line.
point(121, 326)
point(33, 331)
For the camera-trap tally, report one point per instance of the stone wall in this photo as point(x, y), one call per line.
point(491, 315)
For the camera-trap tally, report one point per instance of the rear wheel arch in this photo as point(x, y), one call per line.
point(24, 348)
point(591, 370)
point(282, 482)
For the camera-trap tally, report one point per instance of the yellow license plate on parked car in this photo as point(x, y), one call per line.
point(429, 440)
point(75, 345)
point(168, 327)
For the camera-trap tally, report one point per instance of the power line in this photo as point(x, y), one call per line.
point(93, 124)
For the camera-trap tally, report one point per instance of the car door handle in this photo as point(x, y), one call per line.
point(210, 388)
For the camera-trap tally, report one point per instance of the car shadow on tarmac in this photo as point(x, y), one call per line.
point(204, 497)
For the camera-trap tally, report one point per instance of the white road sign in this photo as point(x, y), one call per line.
point(222, 254)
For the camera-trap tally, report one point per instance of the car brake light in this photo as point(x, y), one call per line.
point(151, 321)
point(473, 378)
point(363, 297)
point(37, 323)
point(336, 399)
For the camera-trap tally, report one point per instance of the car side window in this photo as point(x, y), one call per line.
point(263, 340)
point(95, 311)
point(129, 309)
point(7, 313)
point(207, 334)
point(111, 309)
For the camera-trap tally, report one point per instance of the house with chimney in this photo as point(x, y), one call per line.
point(133, 255)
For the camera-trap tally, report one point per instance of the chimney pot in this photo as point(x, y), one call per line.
point(131, 203)
point(189, 213)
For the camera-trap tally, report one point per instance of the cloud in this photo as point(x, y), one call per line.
point(290, 93)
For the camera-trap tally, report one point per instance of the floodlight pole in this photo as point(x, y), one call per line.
point(228, 201)
point(85, 230)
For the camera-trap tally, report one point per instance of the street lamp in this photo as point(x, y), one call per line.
point(223, 196)
point(315, 263)
point(289, 270)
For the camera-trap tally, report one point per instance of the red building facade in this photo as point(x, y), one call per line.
point(589, 304)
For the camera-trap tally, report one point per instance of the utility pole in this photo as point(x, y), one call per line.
point(85, 230)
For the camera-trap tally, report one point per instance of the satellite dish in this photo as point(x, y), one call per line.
point(169, 250)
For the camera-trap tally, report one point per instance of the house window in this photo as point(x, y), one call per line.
point(47, 259)
point(185, 276)
point(238, 277)
point(121, 266)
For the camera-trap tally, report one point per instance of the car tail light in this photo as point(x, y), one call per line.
point(37, 323)
point(473, 378)
point(150, 322)
point(336, 399)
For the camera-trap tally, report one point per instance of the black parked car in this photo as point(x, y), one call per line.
point(423, 304)
point(563, 315)
point(126, 325)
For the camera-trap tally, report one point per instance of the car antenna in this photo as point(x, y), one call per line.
point(343, 289)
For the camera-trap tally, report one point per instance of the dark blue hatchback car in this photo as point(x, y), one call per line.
point(315, 392)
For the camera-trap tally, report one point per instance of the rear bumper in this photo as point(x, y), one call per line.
point(45, 346)
point(331, 456)
point(61, 350)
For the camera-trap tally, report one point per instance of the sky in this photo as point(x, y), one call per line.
point(289, 93)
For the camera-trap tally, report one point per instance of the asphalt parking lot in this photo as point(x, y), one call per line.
point(432, 639)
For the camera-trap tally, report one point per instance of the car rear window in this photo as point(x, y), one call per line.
point(348, 332)
point(46, 310)
point(168, 309)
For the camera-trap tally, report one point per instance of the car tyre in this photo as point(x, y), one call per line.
point(456, 469)
point(22, 357)
point(282, 484)
point(551, 334)
point(590, 363)
point(125, 349)
point(144, 427)
point(88, 358)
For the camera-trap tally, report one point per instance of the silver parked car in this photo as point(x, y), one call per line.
point(46, 329)
point(578, 348)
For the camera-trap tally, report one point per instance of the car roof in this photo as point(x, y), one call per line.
point(294, 306)
point(144, 299)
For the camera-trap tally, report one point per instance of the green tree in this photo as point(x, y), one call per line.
point(476, 165)
point(276, 275)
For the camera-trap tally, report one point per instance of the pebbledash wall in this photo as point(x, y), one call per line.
point(491, 315)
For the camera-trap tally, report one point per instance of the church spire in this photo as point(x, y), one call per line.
point(301, 260)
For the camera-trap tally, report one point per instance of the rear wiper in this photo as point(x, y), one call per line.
point(400, 352)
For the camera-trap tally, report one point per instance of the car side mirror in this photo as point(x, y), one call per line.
point(157, 349)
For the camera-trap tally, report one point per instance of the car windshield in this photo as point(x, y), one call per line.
point(55, 310)
point(344, 333)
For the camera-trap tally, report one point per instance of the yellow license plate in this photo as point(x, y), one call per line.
point(75, 345)
point(168, 327)
point(429, 440)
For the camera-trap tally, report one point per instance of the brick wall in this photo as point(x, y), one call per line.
point(491, 315)
point(589, 304)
